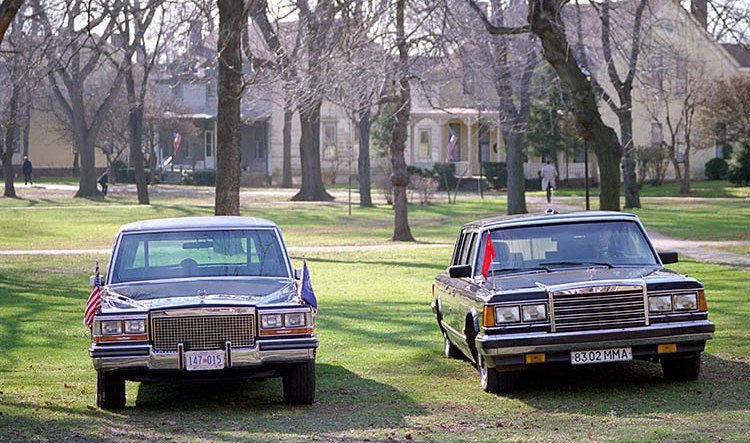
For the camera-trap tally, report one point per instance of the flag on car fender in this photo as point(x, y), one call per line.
point(94, 301)
point(489, 255)
point(305, 290)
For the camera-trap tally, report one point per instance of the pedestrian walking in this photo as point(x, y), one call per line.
point(104, 181)
point(26, 168)
point(548, 179)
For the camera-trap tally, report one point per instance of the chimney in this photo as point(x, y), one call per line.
point(699, 9)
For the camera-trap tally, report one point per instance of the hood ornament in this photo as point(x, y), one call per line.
point(202, 295)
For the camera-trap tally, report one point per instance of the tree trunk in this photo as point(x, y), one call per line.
point(228, 118)
point(685, 182)
point(546, 22)
point(135, 125)
point(516, 180)
point(11, 134)
point(87, 158)
point(363, 162)
point(399, 177)
point(76, 169)
point(286, 180)
point(630, 180)
point(312, 188)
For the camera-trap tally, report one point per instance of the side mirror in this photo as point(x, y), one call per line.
point(297, 273)
point(668, 257)
point(459, 271)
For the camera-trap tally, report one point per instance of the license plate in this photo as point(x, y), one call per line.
point(601, 356)
point(204, 360)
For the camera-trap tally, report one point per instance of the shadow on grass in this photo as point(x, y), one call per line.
point(246, 411)
point(636, 389)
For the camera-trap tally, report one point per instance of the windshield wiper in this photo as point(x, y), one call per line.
point(519, 270)
point(577, 263)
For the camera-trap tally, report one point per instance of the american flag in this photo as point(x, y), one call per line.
point(452, 142)
point(94, 301)
point(305, 290)
point(176, 143)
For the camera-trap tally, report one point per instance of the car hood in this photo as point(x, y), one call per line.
point(541, 279)
point(175, 293)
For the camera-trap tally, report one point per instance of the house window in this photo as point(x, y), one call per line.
point(656, 72)
point(681, 75)
point(210, 92)
point(580, 154)
point(468, 82)
point(455, 129)
point(329, 141)
point(209, 143)
point(177, 91)
point(656, 134)
point(260, 141)
point(424, 143)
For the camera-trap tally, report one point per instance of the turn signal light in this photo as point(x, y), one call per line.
point(702, 304)
point(535, 358)
point(666, 348)
point(488, 317)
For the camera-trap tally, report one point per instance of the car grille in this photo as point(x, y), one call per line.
point(598, 307)
point(201, 331)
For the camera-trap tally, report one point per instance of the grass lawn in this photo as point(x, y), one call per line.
point(702, 188)
point(381, 374)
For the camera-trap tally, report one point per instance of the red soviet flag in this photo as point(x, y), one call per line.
point(489, 255)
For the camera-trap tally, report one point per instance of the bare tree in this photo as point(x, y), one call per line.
point(727, 109)
point(82, 85)
point(544, 19)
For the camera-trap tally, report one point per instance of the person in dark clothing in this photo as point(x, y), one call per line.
point(104, 181)
point(26, 169)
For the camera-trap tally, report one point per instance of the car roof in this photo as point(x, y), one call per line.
point(197, 223)
point(553, 218)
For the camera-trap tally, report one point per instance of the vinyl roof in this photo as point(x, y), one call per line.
point(197, 223)
point(523, 219)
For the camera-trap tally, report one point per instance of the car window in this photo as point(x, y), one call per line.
point(155, 256)
point(558, 245)
point(469, 249)
point(457, 251)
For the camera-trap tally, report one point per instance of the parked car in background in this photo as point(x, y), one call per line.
point(581, 288)
point(202, 298)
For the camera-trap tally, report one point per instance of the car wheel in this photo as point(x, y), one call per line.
point(299, 384)
point(110, 390)
point(449, 349)
point(681, 368)
point(494, 381)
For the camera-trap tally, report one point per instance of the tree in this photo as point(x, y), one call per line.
point(83, 86)
point(727, 109)
point(229, 91)
point(544, 19)
point(399, 177)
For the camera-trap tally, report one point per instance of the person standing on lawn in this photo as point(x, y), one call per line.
point(548, 179)
point(104, 181)
point(26, 168)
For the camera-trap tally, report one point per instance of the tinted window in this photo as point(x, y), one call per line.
point(614, 243)
point(157, 256)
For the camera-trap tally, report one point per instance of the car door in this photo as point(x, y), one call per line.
point(458, 286)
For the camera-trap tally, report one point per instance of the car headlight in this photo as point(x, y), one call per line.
point(271, 321)
point(660, 303)
point(135, 326)
point(111, 327)
point(685, 302)
point(534, 312)
point(294, 320)
point(507, 314)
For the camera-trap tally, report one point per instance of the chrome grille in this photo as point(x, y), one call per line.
point(202, 331)
point(598, 307)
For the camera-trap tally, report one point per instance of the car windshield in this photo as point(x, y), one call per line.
point(164, 255)
point(550, 247)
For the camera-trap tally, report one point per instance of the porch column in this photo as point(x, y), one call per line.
point(470, 152)
point(497, 136)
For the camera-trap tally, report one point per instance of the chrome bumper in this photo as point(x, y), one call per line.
point(516, 344)
point(145, 357)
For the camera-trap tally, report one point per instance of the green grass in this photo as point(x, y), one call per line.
point(701, 188)
point(698, 220)
point(381, 374)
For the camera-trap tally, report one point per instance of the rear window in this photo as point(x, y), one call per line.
point(228, 253)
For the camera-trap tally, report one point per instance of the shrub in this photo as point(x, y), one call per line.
point(717, 169)
point(496, 174)
point(739, 170)
point(445, 174)
point(206, 177)
point(122, 173)
point(652, 163)
point(424, 187)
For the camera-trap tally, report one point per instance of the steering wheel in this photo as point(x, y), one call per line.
point(189, 264)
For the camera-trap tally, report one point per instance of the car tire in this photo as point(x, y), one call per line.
point(494, 381)
point(449, 349)
point(110, 390)
point(682, 368)
point(299, 384)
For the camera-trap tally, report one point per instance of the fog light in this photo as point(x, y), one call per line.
point(667, 348)
point(535, 358)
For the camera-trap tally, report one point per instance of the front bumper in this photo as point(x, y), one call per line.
point(510, 350)
point(143, 357)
